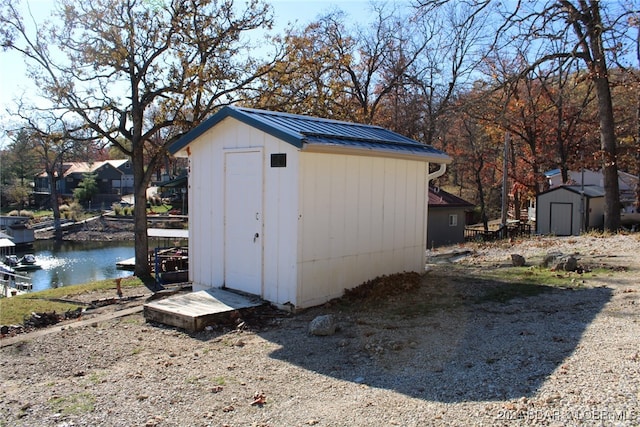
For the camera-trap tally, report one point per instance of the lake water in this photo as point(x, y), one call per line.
point(72, 263)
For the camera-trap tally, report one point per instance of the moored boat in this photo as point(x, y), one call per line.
point(27, 262)
point(11, 260)
point(28, 259)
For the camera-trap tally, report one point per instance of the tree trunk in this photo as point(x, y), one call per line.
point(483, 208)
point(637, 200)
point(562, 153)
point(608, 143)
point(53, 199)
point(140, 218)
point(608, 146)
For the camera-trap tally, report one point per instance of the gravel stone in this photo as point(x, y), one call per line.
point(440, 353)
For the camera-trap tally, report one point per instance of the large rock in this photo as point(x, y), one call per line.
point(550, 258)
point(323, 325)
point(517, 260)
point(570, 264)
point(547, 261)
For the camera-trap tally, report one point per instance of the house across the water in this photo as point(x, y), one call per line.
point(113, 177)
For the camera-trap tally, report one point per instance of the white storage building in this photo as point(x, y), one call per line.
point(296, 209)
point(570, 210)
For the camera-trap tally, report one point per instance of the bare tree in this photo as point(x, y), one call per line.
point(386, 51)
point(140, 73)
point(456, 39)
point(49, 137)
point(594, 30)
point(334, 70)
point(571, 95)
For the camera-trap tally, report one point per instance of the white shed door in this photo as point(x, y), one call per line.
point(561, 219)
point(243, 221)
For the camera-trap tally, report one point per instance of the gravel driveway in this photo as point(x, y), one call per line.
point(431, 351)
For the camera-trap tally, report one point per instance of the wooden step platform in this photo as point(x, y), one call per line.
point(195, 310)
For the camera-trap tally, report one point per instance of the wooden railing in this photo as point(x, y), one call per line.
point(511, 230)
point(12, 284)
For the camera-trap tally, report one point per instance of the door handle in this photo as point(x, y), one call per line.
point(255, 237)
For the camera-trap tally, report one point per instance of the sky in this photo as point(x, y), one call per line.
point(14, 81)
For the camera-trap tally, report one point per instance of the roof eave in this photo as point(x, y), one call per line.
point(337, 149)
point(178, 148)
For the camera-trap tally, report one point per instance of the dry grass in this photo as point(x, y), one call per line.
point(13, 310)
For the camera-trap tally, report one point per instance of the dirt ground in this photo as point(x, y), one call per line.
point(449, 347)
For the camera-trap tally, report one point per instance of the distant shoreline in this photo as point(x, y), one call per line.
point(97, 230)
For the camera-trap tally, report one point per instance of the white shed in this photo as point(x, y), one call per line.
point(570, 209)
point(296, 209)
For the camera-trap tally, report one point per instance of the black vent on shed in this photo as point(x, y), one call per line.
point(279, 160)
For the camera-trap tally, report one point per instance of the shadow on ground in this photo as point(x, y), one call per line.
point(446, 342)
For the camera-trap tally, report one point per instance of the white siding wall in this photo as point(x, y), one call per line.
point(206, 195)
point(560, 195)
point(361, 217)
point(596, 212)
point(280, 223)
point(330, 221)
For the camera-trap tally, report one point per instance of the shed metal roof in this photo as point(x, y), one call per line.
point(590, 191)
point(313, 133)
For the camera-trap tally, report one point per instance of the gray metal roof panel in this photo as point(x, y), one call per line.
point(589, 190)
point(379, 145)
point(308, 126)
point(299, 130)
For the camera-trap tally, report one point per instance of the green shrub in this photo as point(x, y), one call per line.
point(117, 208)
point(87, 188)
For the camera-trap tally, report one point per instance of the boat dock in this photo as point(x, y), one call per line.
point(168, 260)
point(12, 284)
point(127, 264)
